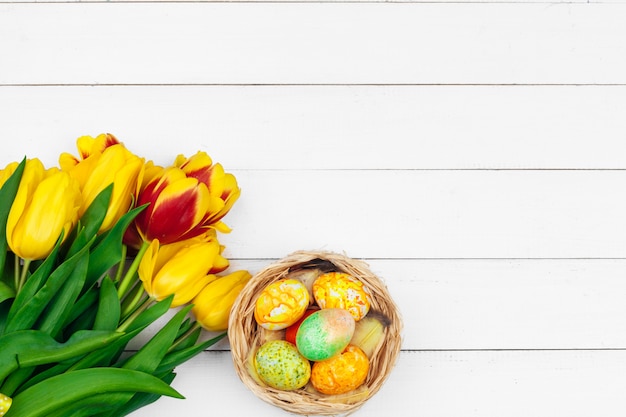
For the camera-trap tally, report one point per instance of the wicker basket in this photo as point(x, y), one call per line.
point(245, 336)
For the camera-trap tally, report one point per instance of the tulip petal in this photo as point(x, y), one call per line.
point(67, 161)
point(88, 145)
point(150, 172)
point(52, 210)
point(177, 211)
point(216, 180)
point(198, 166)
point(34, 173)
point(122, 168)
point(213, 304)
point(185, 273)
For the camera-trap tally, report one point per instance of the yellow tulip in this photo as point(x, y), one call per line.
point(105, 163)
point(46, 204)
point(212, 305)
point(180, 268)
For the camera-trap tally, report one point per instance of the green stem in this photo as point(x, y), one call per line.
point(182, 338)
point(23, 275)
point(142, 307)
point(120, 267)
point(132, 300)
point(128, 278)
point(16, 272)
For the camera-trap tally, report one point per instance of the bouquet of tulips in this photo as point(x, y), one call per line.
point(92, 253)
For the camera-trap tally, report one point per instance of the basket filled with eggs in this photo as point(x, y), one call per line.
point(315, 333)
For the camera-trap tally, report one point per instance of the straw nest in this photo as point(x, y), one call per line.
point(246, 336)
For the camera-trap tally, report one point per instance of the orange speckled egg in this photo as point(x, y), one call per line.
point(341, 373)
point(281, 304)
point(341, 290)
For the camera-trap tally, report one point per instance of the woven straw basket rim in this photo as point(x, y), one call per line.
point(244, 335)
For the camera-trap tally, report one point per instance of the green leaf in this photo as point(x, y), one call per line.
point(139, 400)
point(189, 339)
point(59, 309)
point(108, 252)
point(89, 406)
point(150, 355)
point(57, 393)
point(26, 348)
point(177, 357)
point(29, 312)
point(101, 405)
point(34, 282)
point(108, 354)
point(92, 219)
point(49, 372)
point(101, 357)
point(83, 322)
point(17, 378)
point(109, 310)
point(150, 315)
point(7, 195)
point(4, 312)
point(86, 302)
point(6, 292)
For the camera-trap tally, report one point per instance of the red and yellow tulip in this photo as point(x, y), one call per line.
point(185, 200)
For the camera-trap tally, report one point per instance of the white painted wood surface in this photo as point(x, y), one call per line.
point(472, 153)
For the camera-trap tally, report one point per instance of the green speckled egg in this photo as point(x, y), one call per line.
point(279, 364)
point(325, 333)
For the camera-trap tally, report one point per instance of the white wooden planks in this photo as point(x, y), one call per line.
point(430, 214)
point(311, 43)
point(491, 304)
point(501, 238)
point(438, 384)
point(330, 127)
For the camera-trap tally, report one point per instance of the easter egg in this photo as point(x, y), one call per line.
point(279, 364)
point(341, 373)
point(341, 290)
point(281, 304)
point(291, 331)
point(325, 333)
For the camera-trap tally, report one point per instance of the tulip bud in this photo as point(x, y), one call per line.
point(46, 204)
point(105, 161)
point(213, 304)
point(181, 269)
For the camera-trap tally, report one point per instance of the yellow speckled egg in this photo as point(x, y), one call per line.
point(341, 290)
point(279, 364)
point(341, 373)
point(281, 304)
